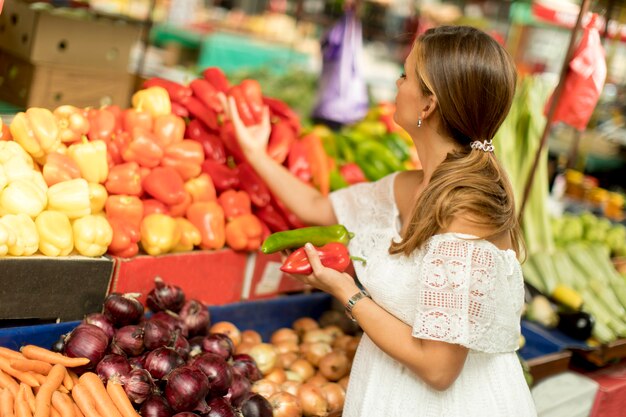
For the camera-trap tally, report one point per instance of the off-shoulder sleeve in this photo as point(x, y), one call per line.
point(456, 297)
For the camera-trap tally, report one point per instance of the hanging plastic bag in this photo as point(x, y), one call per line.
point(584, 81)
point(342, 96)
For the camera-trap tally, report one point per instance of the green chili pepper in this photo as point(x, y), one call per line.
point(376, 151)
point(336, 180)
point(396, 145)
point(316, 235)
point(345, 152)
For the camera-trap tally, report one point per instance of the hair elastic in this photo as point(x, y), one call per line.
point(484, 146)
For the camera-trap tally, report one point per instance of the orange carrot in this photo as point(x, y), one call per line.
point(77, 412)
point(7, 382)
point(54, 413)
point(36, 352)
point(22, 409)
point(120, 399)
point(10, 353)
point(73, 376)
point(7, 403)
point(44, 396)
point(85, 401)
point(68, 383)
point(63, 404)
point(28, 396)
point(31, 365)
point(25, 377)
point(94, 385)
point(39, 377)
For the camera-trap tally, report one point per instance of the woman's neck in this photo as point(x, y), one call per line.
point(433, 150)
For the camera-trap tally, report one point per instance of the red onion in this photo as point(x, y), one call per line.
point(112, 365)
point(186, 388)
point(138, 385)
point(160, 362)
point(256, 405)
point(128, 339)
point(220, 344)
point(195, 346)
point(181, 345)
point(156, 334)
point(217, 370)
point(156, 406)
point(239, 388)
point(173, 321)
point(185, 414)
point(138, 362)
point(196, 317)
point(102, 321)
point(123, 309)
point(219, 407)
point(86, 341)
point(245, 365)
point(165, 297)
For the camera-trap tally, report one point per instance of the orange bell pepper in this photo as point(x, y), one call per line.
point(36, 130)
point(129, 208)
point(125, 238)
point(186, 157)
point(244, 233)
point(201, 188)
point(124, 179)
point(91, 158)
point(168, 129)
point(152, 206)
point(59, 168)
point(189, 235)
point(142, 149)
point(235, 203)
point(177, 210)
point(159, 234)
point(73, 123)
point(208, 217)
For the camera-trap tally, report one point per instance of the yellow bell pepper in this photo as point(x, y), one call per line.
point(189, 235)
point(70, 197)
point(155, 100)
point(159, 234)
point(12, 150)
point(23, 196)
point(7, 239)
point(56, 237)
point(36, 130)
point(91, 158)
point(3, 178)
point(17, 169)
point(26, 237)
point(97, 197)
point(92, 235)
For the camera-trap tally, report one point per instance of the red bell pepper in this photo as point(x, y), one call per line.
point(253, 185)
point(132, 118)
point(332, 255)
point(280, 141)
point(204, 91)
point(152, 206)
point(125, 238)
point(143, 149)
point(208, 217)
point(272, 218)
point(129, 208)
point(228, 136)
point(201, 188)
point(318, 161)
point(102, 124)
point(176, 91)
point(168, 129)
point(5, 132)
point(179, 210)
point(211, 143)
point(244, 233)
point(216, 77)
point(59, 168)
point(201, 112)
point(117, 112)
point(185, 157)
point(179, 110)
point(124, 179)
point(223, 178)
point(283, 111)
point(165, 185)
point(298, 162)
point(115, 145)
point(235, 203)
point(352, 173)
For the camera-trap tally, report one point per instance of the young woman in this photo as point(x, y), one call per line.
point(443, 287)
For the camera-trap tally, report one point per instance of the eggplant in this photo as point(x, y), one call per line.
point(576, 324)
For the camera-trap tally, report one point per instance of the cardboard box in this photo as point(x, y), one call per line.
point(213, 277)
point(266, 280)
point(611, 397)
point(62, 37)
point(28, 85)
point(47, 289)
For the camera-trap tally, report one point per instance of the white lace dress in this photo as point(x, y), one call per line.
point(457, 290)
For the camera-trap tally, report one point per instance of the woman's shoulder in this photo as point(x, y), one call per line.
point(462, 225)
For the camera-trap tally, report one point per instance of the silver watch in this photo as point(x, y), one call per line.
point(353, 300)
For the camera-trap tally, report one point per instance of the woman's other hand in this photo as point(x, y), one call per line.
point(252, 139)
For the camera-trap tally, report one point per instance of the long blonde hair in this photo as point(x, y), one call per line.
point(473, 80)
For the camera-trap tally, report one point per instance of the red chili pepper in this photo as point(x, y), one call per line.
point(272, 218)
point(179, 110)
point(243, 106)
point(292, 219)
point(152, 206)
point(198, 110)
point(235, 203)
point(165, 185)
point(229, 139)
point(168, 129)
point(216, 77)
point(224, 178)
point(124, 179)
point(352, 173)
point(281, 138)
point(253, 185)
point(204, 91)
point(254, 97)
point(143, 149)
point(176, 91)
point(332, 255)
point(211, 143)
point(298, 162)
point(102, 124)
point(283, 111)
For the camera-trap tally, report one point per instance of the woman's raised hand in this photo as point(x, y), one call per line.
point(252, 139)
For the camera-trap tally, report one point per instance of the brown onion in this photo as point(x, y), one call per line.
point(229, 329)
point(344, 382)
point(286, 346)
point(318, 379)
point(251, 336)
point(335, 396)
point(284, 334)
point(291, 387)
point(165, 297)
point(304, 324)
point(352, 346)
point(312, 400)
point(277, 375)
point(333, 331)
point(265, 387)
point(303, 368)
point(293, 376)
point(341, 342)
point(244, 347)
point(264, 354)
point(317, 351)
point(285, 404)
point(334, 365)
point(284, 360)
point(317, 336)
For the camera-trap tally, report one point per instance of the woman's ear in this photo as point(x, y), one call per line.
point(429, 106)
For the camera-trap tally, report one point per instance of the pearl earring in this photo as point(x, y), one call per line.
point(419, 122)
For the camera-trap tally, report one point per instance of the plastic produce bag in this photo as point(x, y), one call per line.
point(584, 81)
point(342, 96)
